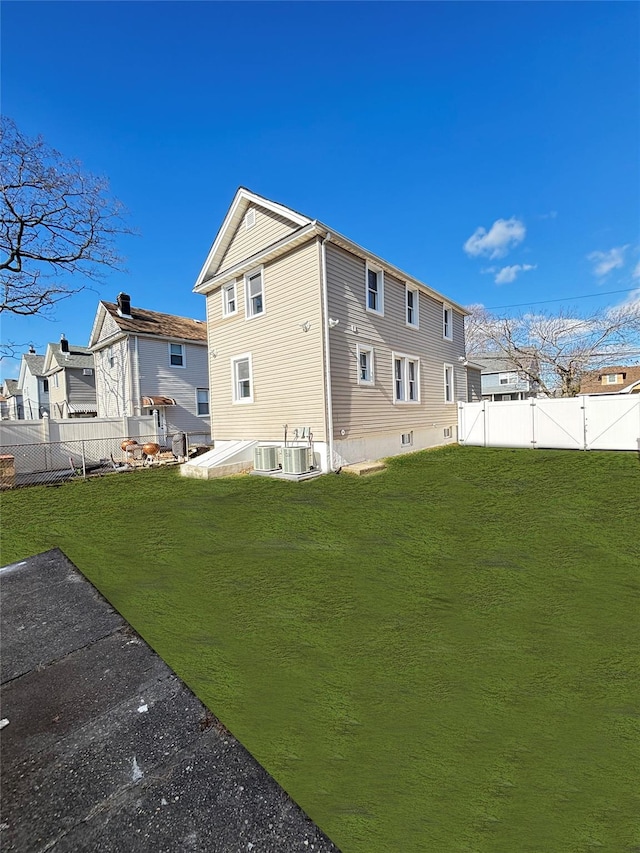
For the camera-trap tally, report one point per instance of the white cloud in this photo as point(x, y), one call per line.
point(551, 215)
point(604, 262)
point(496, 242)
point(636, 272)
point(508, 274)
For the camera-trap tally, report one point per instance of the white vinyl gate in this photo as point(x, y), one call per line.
point(608, 422)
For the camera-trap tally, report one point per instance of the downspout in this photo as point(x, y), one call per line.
point(138, 393)
point(327, 360)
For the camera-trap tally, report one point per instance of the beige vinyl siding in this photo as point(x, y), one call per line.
point(287, 362)
point(268, 228)
point(365, 410)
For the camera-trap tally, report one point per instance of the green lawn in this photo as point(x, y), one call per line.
point(442, 657)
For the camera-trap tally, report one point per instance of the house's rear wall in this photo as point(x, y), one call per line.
point(268, 228)
point(287, 361)
point(159, 377)
point(363, 411)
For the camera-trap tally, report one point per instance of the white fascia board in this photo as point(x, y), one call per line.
point(273, 251)
point(243, 198)
point(108, 341)
point(100, 314)
point(375, 260)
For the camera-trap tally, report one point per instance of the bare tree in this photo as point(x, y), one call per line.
point(554, 351)
point(57, 228)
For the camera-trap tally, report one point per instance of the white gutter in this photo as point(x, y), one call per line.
point(327, 360)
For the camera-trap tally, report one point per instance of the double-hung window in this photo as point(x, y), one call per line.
point(411, 302)
point(254, 294)
point(176, 355)
point(229, 300)
point(242, 379)
point(448, 384)
point(447, 323)
point(365, 365)
point(202, 401)
point(375, 290)
point(406, 379)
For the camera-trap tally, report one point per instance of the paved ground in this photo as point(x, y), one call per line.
point(106, 749)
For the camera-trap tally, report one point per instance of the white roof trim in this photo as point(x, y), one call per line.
point(243, 198)
point(272, 251)
point(308, 227)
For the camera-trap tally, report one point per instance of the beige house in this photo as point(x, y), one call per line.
point(308, 329)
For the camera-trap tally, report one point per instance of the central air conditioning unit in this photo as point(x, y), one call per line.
point(295, 460)
point(265, 458)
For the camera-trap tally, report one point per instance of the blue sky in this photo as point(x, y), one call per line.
point(415, 128)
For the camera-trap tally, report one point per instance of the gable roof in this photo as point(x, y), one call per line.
point(592, 382)
point(145, 322)
point(11, 387)
point(77, 357)
point(305, 229)
point(35, 363)
point(239, 206)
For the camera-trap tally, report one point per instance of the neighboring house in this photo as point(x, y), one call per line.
point(33, 385)
point(147, 362)
point(72, 381)
point(612, 380)
point(502, 379)
point(12, 408)
point(309, 329)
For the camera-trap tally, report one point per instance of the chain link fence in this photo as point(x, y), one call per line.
point(56, 462)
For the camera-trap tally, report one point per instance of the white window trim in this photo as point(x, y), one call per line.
point(380, 273)
point(416, 307)
point(406, 358)
point(612, 378)
point(247, 300)
point(184, 355)
point(367, 383)
point(232, 285)
point(445, 308)
point(198, 415)
point(242, 401)
point(453, 384)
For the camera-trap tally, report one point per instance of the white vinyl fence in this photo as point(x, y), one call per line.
point(608, 422)
point(49, 430)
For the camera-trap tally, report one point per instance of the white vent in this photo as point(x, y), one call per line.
point(250, 218)
point(295, 460)
point(406, 439)
point(87, 371)
point(265, 458)
point(448, 432)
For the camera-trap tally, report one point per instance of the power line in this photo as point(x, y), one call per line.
point(564, 299)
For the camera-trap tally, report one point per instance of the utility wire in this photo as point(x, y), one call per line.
point(564, 299)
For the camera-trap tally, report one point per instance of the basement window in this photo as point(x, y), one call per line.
point(406, 439)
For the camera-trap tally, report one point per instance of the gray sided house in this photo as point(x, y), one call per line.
point(34, 386)
point(502, 380)
point(150, 362)
point(12, 408)
point(308, 329)
point(70, 372)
